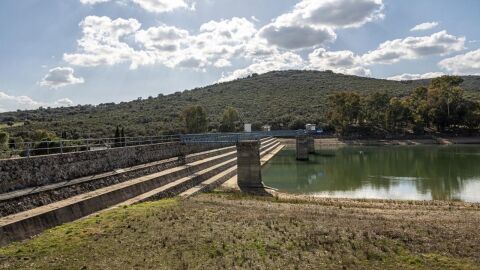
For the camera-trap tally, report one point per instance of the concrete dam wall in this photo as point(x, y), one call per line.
point(21, 173)
point(28, 211)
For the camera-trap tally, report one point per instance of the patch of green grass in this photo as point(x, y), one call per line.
point(71, 236)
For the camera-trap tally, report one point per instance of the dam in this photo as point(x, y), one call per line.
point(40, 192)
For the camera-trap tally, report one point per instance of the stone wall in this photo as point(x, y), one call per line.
point(22, 173)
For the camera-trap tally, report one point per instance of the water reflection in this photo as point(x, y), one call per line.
point(394, 172)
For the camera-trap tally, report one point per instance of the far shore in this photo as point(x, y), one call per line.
point(380, 142)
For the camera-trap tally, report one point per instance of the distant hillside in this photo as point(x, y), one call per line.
point(281, 98)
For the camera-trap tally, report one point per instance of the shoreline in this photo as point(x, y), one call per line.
point(370, 202)
point(386, 142)
point(357, 202)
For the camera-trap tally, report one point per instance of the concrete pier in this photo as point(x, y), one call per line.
point(311, 145)
point(302, 147)
point(249, 174)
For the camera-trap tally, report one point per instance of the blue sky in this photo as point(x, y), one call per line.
point(67, 52)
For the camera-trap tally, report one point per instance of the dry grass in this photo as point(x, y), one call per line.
point(228, 230)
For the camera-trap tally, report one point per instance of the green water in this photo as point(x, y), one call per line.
point(389, 172)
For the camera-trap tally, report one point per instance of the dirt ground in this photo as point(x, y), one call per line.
point(226, 230)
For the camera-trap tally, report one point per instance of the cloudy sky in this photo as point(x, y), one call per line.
point(66, 52)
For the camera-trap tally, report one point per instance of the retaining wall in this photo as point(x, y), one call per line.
point(22, 173)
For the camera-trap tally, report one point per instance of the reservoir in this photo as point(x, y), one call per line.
point(426, 172)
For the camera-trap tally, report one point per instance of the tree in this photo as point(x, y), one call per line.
point(231, 121)
point(444, 96)
point(446, 82)
point(123, 140)
point(344, 110)
point(297, 123)
point(398, 114)
point(118, 138)
point(195, 119)
point(417, 103)
point(375, 109)
point(4, 137)
point(46, 142)
point(43, 135)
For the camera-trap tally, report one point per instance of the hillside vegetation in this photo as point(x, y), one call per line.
point(284, 99)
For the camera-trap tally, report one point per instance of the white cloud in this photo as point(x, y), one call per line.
point(409, 77)
point(215, 45)
point(156, 6)
point(92, 2)
point(424, 26)
point(345, 62)
point(160, 6)
point(109, 42)
point(161, 38)
point(312, 22)
point(297, 36)
point(222, 39)
point(258, 47)
point(336, 13)
point(64, 102)
point(102, 44)
point(283, 61)
point(220, 63)
point(392, 51)
point(12, 103)
point(468, 63)
point(60, 77)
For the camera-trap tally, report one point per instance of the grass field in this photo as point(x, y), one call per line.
point(232, 231)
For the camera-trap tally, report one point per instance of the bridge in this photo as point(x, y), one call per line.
point(40, 190)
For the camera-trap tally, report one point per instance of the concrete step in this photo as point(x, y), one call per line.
point(25, 199)
point(220, 178)
point(180, 185)
point(170, 182)
point(211, 183)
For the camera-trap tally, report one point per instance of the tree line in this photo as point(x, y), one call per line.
point(195, 120)
point(440, 107)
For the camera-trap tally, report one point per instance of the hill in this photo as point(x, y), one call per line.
point(281, 98)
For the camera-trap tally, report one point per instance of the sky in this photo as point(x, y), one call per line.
point(67, 52)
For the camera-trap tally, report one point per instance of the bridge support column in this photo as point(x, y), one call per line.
point(302, 147)
point(311, 145)
point(249, 174)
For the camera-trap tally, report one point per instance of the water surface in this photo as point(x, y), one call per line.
point(384, 172)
